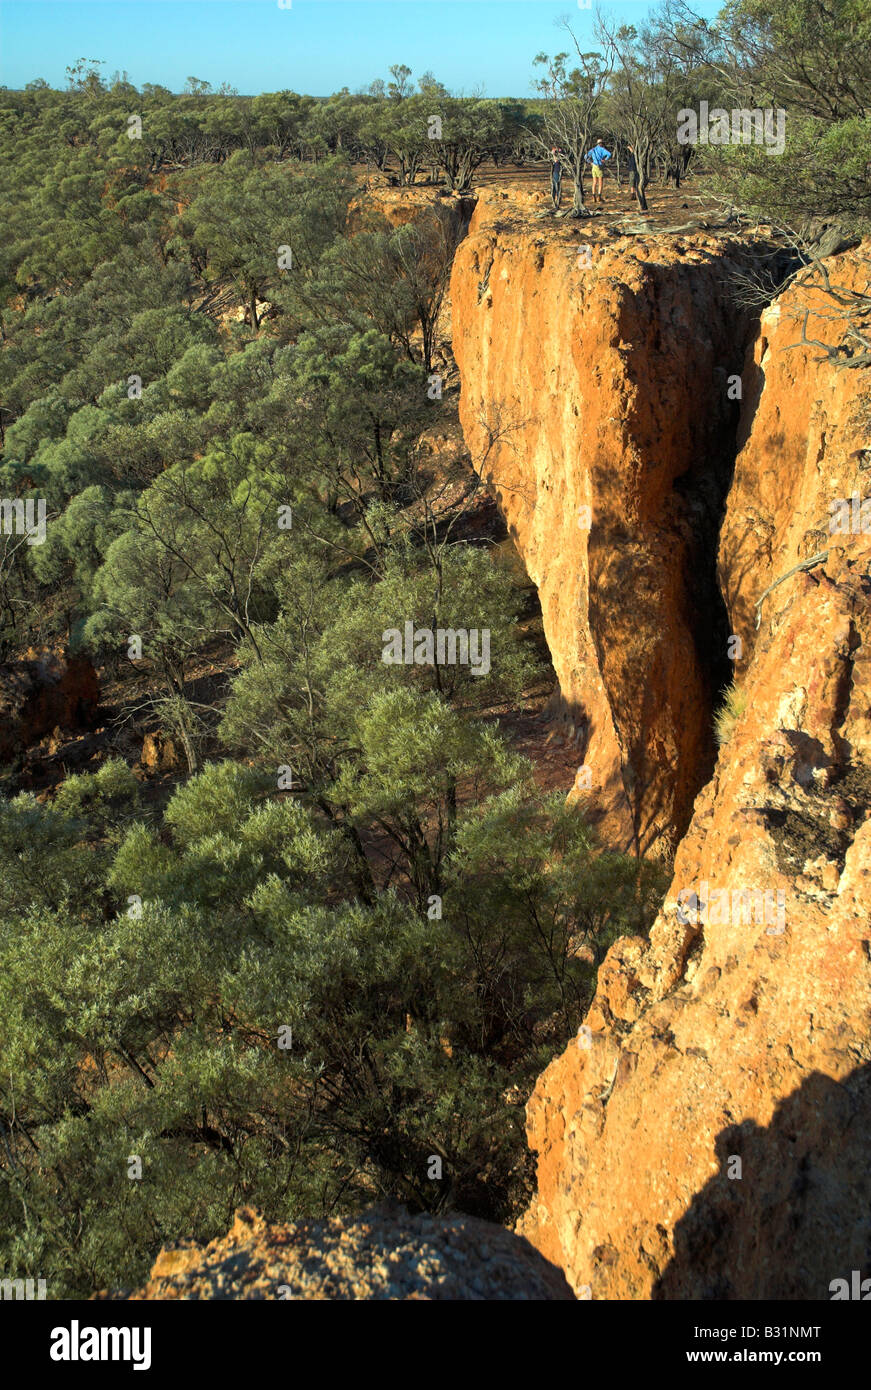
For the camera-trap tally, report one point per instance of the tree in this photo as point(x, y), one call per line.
point(401, 84)
point(84, 76)
point(195, 563)
point(242, 216)
point(198, 990)
point(429, 86)
point(469, 131)
point(196, 87)
point(322, 662)
point(811, 60)
point(355, 404)
point(394, 278)
point(404, 126)
point(279, 117)
point(76, 545)
point(547, 904)
point(641, 94)
point(572, 98)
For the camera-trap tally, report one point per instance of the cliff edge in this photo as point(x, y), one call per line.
point(705, 1136)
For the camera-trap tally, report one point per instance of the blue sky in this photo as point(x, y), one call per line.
point(314, 46)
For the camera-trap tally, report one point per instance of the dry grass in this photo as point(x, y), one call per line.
point(730, 711)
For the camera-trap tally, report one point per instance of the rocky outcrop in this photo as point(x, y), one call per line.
point(804, 447)
point(385, 1253)
point(397, 206)
point(161, 753)
point(44, 693)
point(597, 403)
point(706, 1134)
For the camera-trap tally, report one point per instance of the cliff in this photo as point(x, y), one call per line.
point(707, 1138)
point(599, 402)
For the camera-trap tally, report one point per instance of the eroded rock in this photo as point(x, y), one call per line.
point(45, 694)
point(711, 1140)
point(384, 1253)
point(596, 403)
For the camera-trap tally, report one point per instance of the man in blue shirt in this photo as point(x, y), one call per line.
point(597, 157)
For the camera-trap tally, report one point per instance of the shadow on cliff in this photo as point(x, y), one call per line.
point(750, 551)
point(798, 1217)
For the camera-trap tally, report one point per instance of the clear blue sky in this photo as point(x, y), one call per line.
point(315, 46)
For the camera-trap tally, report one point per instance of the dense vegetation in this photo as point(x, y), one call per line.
point(352, 935)
point(810, 59)
point(353, 932)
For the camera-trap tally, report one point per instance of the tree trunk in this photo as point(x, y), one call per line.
point(642, 164)
point(427, 324)
point(578, 205)
point(189, 752)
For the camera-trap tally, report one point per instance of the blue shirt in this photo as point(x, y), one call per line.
point(598, 154)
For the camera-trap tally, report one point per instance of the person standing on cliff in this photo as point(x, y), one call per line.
point(597, 157)
point(556, 177)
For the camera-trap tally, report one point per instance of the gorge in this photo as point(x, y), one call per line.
point(707, 1042)
point(703, 1137)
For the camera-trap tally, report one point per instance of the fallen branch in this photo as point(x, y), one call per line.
point(817, 559)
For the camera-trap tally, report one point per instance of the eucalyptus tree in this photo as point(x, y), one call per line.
point(572, 87)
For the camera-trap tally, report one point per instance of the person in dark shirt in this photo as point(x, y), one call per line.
point(556, 177)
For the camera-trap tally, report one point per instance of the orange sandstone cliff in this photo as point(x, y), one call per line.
point(599, 402)
point(705, 1136)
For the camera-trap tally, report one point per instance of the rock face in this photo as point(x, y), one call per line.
point(383, 1254)
point(597, 402)
point(805, 445)
point(160, 753)
point(707, 1138)
point(42, 694)
point(401, 205)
